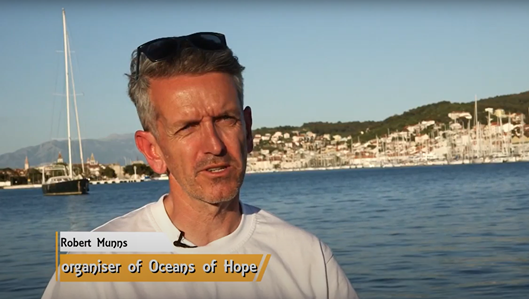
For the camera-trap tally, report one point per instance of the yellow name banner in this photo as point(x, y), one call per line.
point(161, 267)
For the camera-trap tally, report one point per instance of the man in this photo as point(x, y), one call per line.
point(188, 92)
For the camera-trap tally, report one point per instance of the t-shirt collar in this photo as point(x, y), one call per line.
point(226, 244)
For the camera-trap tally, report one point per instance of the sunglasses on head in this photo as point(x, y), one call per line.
point(163, 48)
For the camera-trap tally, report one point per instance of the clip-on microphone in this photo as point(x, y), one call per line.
point(178, 243)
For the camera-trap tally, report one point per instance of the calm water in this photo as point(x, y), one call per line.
point(425, 232)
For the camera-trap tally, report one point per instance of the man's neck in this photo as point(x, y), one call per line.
point(201, 222)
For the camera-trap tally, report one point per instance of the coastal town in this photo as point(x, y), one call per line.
point(463, 140)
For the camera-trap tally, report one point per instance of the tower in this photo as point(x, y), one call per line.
point(92, 160)
point(59, 159)
point(26, 164)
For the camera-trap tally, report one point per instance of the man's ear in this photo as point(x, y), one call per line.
point(248, 123)
point(148, 146)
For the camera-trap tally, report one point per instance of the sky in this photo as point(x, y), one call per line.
point(305, 61)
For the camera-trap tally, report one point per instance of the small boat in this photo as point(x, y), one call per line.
point(163, 177)
point(64, 184)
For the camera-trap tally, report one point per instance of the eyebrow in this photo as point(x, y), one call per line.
point(183, 122)
point(230, 111)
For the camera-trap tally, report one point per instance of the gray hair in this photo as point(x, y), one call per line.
point(189, 60)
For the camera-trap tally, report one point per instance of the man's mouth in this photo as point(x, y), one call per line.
point(216, 169)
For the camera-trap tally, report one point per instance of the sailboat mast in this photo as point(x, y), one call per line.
point(76, 113)
point(476, 128)
point(67, 92)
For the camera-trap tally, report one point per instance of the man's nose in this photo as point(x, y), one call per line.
point(213, 143)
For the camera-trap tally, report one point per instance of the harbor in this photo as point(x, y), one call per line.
point(390, 140)
point(461, 142)
point(464, 140)
point(4, 185)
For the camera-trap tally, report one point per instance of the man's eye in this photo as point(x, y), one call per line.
point(188, 126)
point(227, 118)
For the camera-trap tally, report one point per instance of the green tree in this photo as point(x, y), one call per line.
point(108, 172)
point(141, 169)
point(34, 176)
point(4, 177)
point(438, 112)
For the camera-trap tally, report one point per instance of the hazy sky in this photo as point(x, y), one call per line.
point(305, 62)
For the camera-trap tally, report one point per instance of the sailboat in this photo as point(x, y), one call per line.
point(66, 184)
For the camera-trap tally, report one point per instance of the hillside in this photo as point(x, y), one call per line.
point(514, 103)
point(111, 149)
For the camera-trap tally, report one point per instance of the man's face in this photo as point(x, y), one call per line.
point(203, 134)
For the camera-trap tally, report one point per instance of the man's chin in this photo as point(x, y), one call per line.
point(217, 190)
point(218, 195)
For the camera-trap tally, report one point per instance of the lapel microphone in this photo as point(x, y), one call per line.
point(178, 243)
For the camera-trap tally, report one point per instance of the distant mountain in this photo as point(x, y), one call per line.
point(112, 149)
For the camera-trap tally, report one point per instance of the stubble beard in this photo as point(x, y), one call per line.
point(209, 193)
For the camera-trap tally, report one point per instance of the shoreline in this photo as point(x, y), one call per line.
point(382, 165)
point(280, 170)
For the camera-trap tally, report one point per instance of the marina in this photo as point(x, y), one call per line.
point(401, 142)
point(365, 163)
point(464, 140)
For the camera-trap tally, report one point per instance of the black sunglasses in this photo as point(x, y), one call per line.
point(163, 48)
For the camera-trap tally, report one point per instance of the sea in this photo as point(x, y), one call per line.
point(459, 231)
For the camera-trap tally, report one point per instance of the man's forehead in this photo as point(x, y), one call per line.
point(207, 81)
point(198, 109)
point(189, 90)
point(199, 103)
point(195, 103)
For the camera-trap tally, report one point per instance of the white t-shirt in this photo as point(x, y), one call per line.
point(301, 266)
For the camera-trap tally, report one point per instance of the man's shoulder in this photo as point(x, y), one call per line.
point(267, 218)
point(136, 220)
point(269, 225)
